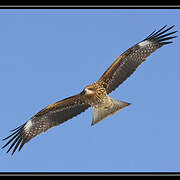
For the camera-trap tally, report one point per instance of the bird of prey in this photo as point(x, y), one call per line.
point(94, 95)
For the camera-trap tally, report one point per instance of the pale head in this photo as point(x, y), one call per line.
point(89, 90)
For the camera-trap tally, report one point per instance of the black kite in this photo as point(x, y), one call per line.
point(95, 95)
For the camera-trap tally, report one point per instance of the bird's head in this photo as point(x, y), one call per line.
point(89, 90)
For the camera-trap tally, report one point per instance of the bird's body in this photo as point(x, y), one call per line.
point(95, 95)
point(103, 106)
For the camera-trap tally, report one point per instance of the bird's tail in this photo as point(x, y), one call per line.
point(100, 113)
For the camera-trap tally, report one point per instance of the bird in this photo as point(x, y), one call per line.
point(95, 95)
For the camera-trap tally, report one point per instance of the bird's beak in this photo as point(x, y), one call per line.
point(83, 92)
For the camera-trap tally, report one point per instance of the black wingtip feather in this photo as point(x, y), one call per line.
point(16, 139)
point(156, 32)
point(17, 128)
point(160, 36)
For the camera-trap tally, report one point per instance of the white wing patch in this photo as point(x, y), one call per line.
point(144, 43)
point(28, 125)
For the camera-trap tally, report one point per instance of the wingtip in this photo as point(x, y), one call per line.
point(172, 26)
point(2, 147)
point(161, 36)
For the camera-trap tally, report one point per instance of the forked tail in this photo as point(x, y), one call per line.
point(100, 113)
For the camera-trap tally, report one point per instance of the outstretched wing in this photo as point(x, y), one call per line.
point(127, 63)
point(47, 118)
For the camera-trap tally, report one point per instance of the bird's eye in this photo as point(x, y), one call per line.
point(91, 89)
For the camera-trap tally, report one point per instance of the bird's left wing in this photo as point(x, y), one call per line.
point(47, 118)
point(127, 62)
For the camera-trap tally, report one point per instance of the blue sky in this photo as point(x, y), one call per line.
point(48, 55)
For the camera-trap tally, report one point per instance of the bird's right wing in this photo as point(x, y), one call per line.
point(47, 118)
